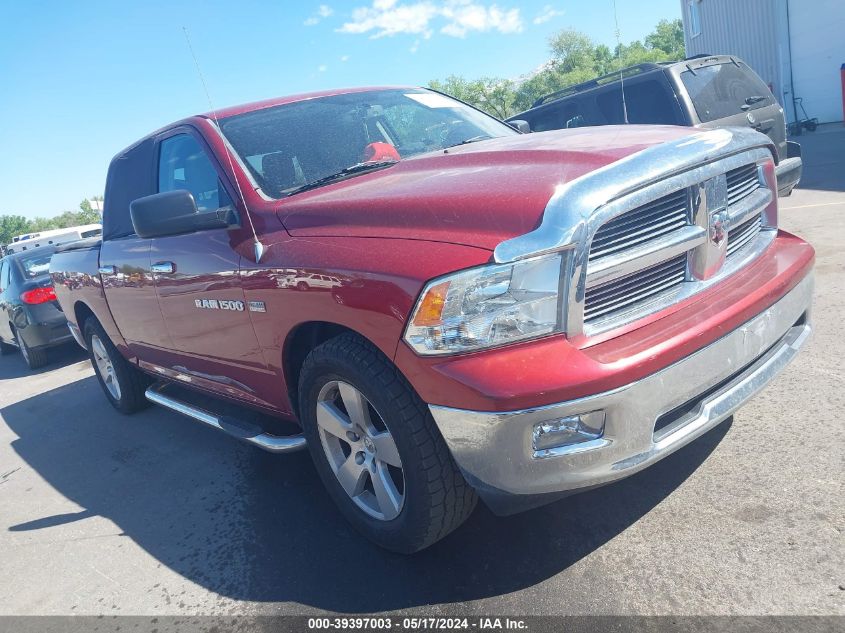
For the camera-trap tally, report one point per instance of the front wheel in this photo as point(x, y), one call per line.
point(377, 449)
point(123, 383)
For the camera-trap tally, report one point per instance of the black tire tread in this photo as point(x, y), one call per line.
point(452, 499)
point(7, 348)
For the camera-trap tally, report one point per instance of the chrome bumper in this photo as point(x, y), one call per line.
point(788, 174)
point(495, 451)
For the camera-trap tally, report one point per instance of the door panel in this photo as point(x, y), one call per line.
point(203, 304)
point(131, 294)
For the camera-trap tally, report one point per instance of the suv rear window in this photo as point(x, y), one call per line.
point(720, 90)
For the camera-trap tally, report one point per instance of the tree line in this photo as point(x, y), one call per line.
point(12, 225)
point(575, 58)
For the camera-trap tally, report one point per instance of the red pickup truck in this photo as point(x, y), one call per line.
point(445, 307)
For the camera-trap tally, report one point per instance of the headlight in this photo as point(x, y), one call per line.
point(487, 306)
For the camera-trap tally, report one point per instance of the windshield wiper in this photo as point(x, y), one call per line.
point(755, 99)
point(474, 139)
point(358, 168)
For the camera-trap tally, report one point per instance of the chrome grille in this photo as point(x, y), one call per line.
point(741, 182)
point(634, 289)
point(659, 251)
point(641, 225)
point(742, 234)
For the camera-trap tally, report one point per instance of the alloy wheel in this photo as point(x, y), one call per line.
point(360, 450)
point(105, 366)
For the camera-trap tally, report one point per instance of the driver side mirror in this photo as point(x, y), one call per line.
point(173, 212)
point(520, 125)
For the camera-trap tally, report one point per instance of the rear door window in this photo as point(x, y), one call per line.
point(560, 116)
point(646, 101)
point(721, 90)
point(183, 164)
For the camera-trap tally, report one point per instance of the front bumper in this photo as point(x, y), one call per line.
point(495, 449)
point(788, 171)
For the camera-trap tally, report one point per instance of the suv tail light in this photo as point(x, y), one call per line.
point(39, 295)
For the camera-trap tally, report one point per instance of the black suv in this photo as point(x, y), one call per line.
point(704, 91)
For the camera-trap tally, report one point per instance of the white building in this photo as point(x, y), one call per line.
point(796, 46)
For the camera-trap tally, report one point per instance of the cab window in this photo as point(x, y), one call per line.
point(183, 164)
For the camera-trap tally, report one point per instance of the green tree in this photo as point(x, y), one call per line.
point(575, 58)
point(491, 94)
point(573, 51)
point(87, 214)
point(667, 37)
point(12, 225)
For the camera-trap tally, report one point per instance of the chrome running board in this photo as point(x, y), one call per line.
point(250, 433)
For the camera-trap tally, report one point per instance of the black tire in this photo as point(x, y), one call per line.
point(132, 382)
point(7, 348)
point(34, 358)
point(437, 499)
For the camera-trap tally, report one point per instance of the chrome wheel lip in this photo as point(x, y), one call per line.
point(104, 366)
point(363, 468)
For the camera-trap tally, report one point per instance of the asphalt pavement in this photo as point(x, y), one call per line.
point(153, 514)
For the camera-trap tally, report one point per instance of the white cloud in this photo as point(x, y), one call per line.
point(322, 68)
point(390, 17)
point(323, 11)
point(344, 58)
point(415, 46)
point(547, 13)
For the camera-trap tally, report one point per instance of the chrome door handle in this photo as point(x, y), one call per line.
point(163, 268)
point(108, 270)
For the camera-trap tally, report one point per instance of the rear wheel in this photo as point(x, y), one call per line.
point(123, 383)
point(7, 348)
point(377, 449)
point(34, 358)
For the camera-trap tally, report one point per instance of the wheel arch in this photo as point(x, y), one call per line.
point(82, 312)
point(301, 340)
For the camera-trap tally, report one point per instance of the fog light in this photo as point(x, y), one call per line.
point(567, 431)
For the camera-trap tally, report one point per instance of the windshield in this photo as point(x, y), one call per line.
point(35, 265)
point(288, 147)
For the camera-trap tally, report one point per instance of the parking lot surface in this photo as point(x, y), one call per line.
point(154, 514)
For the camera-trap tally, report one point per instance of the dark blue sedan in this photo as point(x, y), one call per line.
point(30, 317)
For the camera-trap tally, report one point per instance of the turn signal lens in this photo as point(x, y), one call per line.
point(430, 311)
point(38, 295)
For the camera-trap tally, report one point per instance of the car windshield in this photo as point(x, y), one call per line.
point(35, 265)
point(295, 146)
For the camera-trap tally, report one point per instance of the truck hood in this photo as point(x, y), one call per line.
point(477, 194)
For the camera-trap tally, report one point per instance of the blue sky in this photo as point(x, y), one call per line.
point(81, 80)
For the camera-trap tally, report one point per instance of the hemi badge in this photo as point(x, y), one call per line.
point(257, 306)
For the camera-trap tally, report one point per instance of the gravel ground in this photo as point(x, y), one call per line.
point(153, 514)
